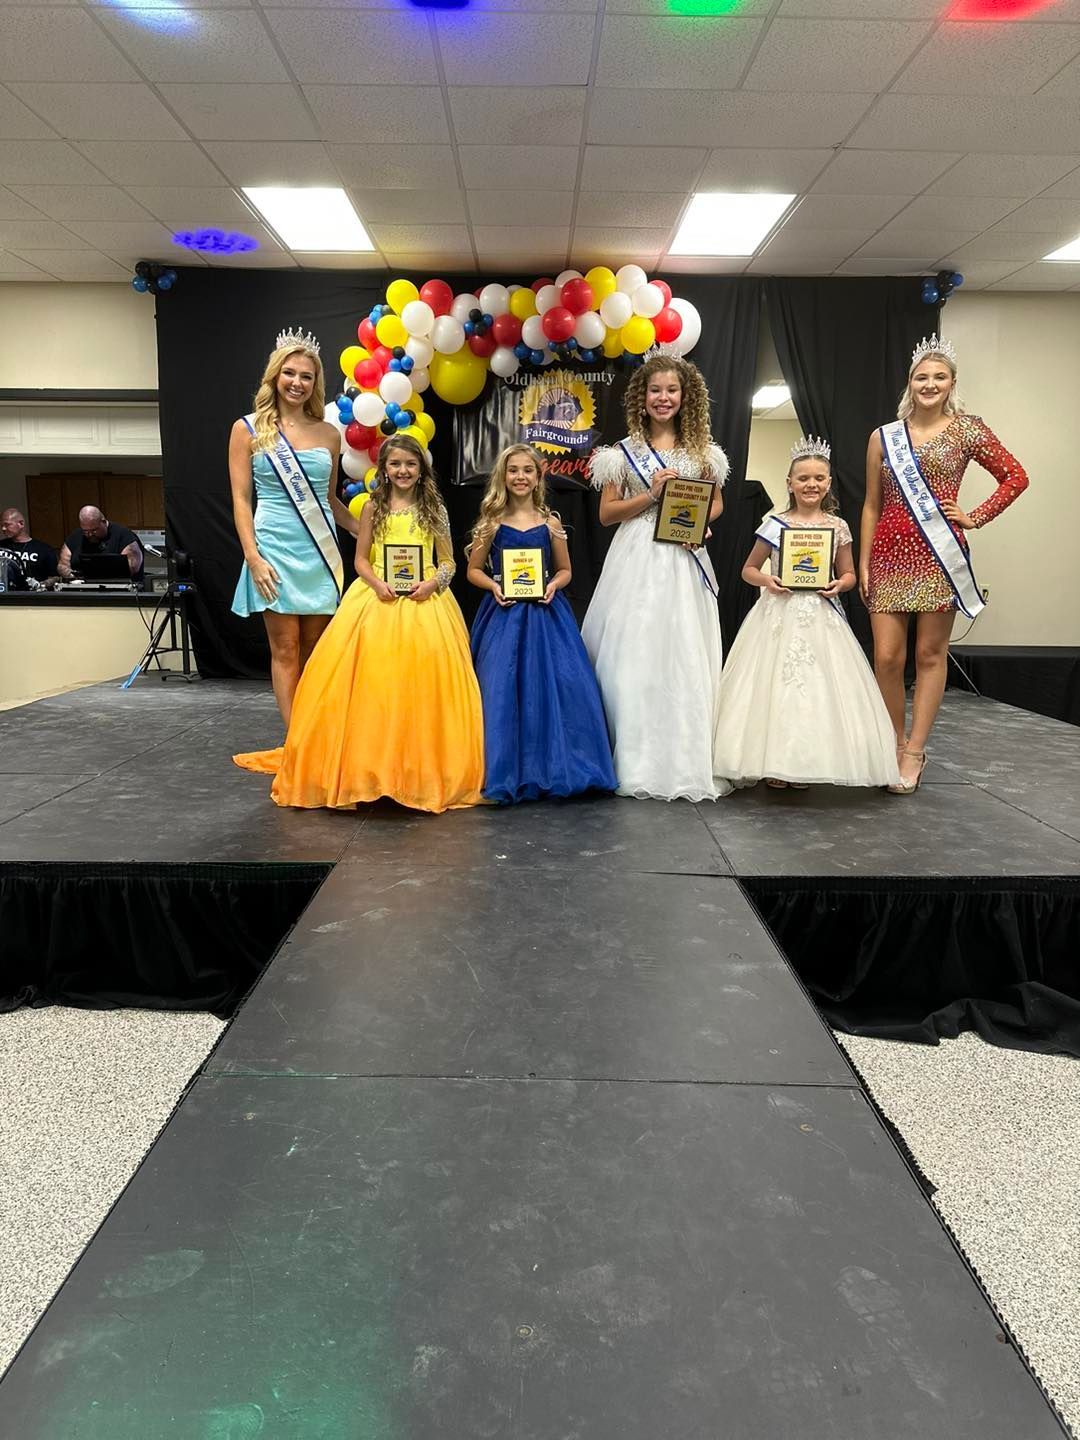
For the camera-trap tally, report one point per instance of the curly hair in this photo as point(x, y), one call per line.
point(267, 415)
point(493, 505)
point(430, 511)
point(829, 503)
point(953, 404)
point(692, 427)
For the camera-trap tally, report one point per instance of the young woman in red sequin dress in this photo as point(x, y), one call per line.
point(898, 572)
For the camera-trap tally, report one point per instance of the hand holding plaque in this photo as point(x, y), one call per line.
point(523, 573)
point(403, 567)
point(806, 557)
point(682, 516)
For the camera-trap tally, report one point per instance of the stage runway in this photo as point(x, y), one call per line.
point(529, 1129)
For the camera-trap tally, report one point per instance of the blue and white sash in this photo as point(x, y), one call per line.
point(645, 462)
point(954, 559)
point(769, 531)
point(294, 481)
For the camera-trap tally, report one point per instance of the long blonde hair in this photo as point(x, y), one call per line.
point(267, 416)
point(692, 426)
point(953, 405)
point(493, 505)
point(431, 513)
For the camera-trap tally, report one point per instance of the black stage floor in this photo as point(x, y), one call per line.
point(529, 1130)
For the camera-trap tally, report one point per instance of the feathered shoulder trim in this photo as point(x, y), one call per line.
point(608, 466)
point(718, 463)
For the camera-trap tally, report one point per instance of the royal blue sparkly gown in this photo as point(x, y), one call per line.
point(544, 727)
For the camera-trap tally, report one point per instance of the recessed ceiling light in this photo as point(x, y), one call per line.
point(770, 396)
point(1071, 251)
point(310, 219)
point(723, 224)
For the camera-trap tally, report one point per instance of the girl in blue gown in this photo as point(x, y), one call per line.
point(544, 728)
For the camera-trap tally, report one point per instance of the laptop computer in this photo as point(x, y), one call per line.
point(104, 569)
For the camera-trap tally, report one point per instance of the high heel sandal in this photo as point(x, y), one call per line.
point(908, 787)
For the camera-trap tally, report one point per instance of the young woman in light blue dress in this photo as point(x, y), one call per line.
point(285, 577)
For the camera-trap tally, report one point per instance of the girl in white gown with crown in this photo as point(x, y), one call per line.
point(799, 704)
point(653, 627)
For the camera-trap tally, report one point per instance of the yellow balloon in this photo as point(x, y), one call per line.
point(416, 403)
point(357, 503)
point(390, 330)
point(369, 475)
point(613, 345)
point(523, 303)
point(350, 358)
point(414, 433)
point(638, 334)
point(425, 423)
point(602, 280)
point(399, 293)
point(458, 378)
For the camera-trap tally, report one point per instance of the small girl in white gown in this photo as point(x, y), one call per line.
point(799, 703)
point(653, 627)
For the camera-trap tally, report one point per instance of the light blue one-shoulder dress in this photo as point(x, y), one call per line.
point(306, 585)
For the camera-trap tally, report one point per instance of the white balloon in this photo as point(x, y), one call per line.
point(395, 387)
point(331, 414)
point(418, 317)
point(355, 463)
point(420, 348)
point(560, 280)
point(690, 333)
point(532, 332)
point(589, 330)
point(504, 362)
point(510, 289)
point(461, 306)
point(648, 300)
point(616, 309)
point(547, 297)
point(368, 408)
point(448, 334)
point(629, 278)
point(420, 379)
point(494, 299)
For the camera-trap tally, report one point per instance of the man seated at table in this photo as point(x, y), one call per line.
point(31, 559)
point(98, 536)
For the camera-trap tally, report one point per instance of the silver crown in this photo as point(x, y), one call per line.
point(670, 352)
point(808, 446)
point(933, 345)
point(302, 339)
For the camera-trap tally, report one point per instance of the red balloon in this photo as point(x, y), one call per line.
point(438, 295)
point(365, 333)
point(667, 324)
point(538, 285)
point(375, 447)
point(482, 345)
point(558, 323)
point(359, 436)
point(664, 288)
point(368, 373)
point(383, 356)
point(506, 329)
point(577, 296)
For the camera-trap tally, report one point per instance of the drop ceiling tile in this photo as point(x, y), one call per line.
point(353, 47)
point(79, 265)
point(1065, 85)
point(726, 117)
point(16, 206)
point(980, 273)
point(100, 111)
point(546, 49)
point(19, 235)
point(408, 239)
point(1005, 124)
point(1051, 275)
point(410, 207)
point(34, 41)
point(922, 243)
point(863, 9)
point(955, 212)
point(521, 207)
point(507, 167)
point(663, 7)
point(168, 5)
point(340, 260)
point(19, 123)
point(625, 167)
point(882, 172)
point(12, 267)
point(1068, 186)
point(242, 112)
point(184, 207)
point(969, 58)
point(525, 267)
point(643, 209)
point(646, 52)
point(253, 260)
point(140, 162)
point(283, 162)
point(838, 212)
point(1022, 175)
point(253, 227)
point(703, 265)
point(522, 239)
point(996, 246)
point(766, 264)
point(46, 162)
point(1044, 215)
point(833, 244)
point(83, 202)
point(380, 114)
point(395, 167)
point(880, 265)
point(786, 171)
point(517, 114)
point(806, 56)
point(228, 46)
point(584, 256)
point(625, 242)
point(123, 237)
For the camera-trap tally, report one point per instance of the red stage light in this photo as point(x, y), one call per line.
point(997, 9)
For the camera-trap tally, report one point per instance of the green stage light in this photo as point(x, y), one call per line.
point(704, 7)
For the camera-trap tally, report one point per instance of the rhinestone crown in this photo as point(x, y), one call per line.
point(302, 339)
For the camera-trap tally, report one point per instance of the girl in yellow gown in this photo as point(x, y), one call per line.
point(388, 704)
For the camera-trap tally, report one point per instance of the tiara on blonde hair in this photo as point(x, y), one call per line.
point(808, 446)
point(933, 345)
point(302, 339)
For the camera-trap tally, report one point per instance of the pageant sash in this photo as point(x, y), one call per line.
point(294, 481)
point(954, 559)
point(645, 462)
point(769, 531)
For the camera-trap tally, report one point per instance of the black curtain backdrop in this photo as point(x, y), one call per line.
point(844, 345)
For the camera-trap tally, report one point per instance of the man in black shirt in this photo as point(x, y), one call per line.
point(33, 559)
point(98, 536)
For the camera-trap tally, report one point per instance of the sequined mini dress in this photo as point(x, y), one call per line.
point(904, 573)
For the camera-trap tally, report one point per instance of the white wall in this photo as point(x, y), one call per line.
point(76, 337)
point(770, 455)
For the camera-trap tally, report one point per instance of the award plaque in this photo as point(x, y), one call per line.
point(682, 516)
point(403, 567)
point(523, 574)
point(806, 557)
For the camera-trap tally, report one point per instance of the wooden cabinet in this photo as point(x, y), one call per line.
point(53, 502)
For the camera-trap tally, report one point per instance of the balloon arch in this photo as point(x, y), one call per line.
point(430, 337)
